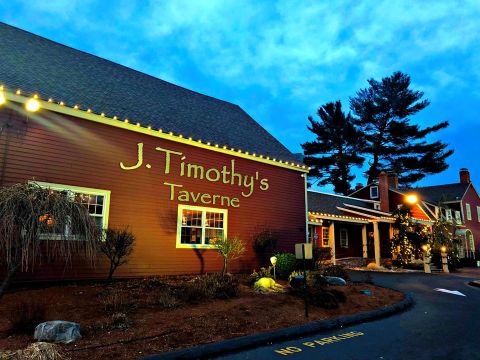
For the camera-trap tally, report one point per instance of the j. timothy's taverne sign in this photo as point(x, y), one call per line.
point(178, 167)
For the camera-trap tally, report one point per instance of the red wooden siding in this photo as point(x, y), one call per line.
point(471, 197)
point(58, 149)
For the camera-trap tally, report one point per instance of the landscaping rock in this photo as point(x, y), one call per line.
point(334, 280)
point(265, 285)
point(57, 331)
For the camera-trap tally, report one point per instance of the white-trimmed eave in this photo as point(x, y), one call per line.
point(369, 210)
point(324, 216)
point(75, 111)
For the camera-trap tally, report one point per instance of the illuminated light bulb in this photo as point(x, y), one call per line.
point(224, 146)
point(138, 124)
point(411, 199)
point(3, 99)
point(274, 159)
point(246, 152)
point(268, 157)
point(149, 127)
point(190, 138)
point(239, 150)
point(18, 92)
point(76, 107)
point(114, 118)
point(32, 105)
point(160, 130)
point(208, 143)
point(232, 149)
point(62, 103)
point(35, 96)
point(102, 114)
point(180, 136)
point(170, 133)
point(254, 154)
point(50, 100)
point(216, 145)
point(89, 110)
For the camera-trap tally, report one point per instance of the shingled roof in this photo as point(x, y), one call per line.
point(329, 203)
point(441, 193)
point(38, 65)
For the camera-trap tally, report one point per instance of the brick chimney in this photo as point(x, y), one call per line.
point(393, 181)
point(383, 191)
point(358, 186)
point(464, 176)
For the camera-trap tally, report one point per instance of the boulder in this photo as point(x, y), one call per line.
point(334, 280)
point(57, 331)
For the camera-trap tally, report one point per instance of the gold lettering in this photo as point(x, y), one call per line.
point(248, 184)
point(139, 159)
point(225, 172)
point(196, 170)
point(235, 175)
point(217, 174)
point(183, 195)
point(214, 197)
point(264, 184)
point(194, 197)
point(172, 187)
point(309, 344)
point(234, 202)
point(206, 197)
point(167, 157)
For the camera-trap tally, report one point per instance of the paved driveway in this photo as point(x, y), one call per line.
point(439, 326)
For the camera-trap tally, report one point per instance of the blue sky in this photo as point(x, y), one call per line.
point(281, 60)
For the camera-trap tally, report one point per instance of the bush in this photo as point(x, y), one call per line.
point(323, 299)
point(336, 270)
point(210, 286)
point(264, 244)
point(117, 245)
point(26, 315)
point(263, 272)
point(286, 264)
point(116, 301)
point(230, 249)
point(322, 255)
point(166, 299)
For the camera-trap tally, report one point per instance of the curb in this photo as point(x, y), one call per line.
point(475, 283)
point(252, 341)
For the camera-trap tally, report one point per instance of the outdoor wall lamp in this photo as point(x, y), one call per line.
point(411, 199)
point(273, 260)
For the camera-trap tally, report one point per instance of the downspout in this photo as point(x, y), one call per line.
point(306, 208)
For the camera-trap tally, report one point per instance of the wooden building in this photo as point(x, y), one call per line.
point(178, 167)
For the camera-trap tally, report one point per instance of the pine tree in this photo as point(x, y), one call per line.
point(382, 112)
point(335, 148)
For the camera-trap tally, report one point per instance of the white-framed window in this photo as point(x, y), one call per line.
point(197, 226)
point(458, 217)
point(469, 211)
point(374, 192)
point(478, 213)
point(448, 213)
point(344, 238)
point(376, 206)
point(325, 236)
point(96, 201)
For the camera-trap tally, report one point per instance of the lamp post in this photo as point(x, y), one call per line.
point(273, 260)
point(426, 259)
point(444, 259)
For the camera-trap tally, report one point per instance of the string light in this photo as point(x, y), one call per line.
point(33, 105)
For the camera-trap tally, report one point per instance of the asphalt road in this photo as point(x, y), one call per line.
point(439, 326)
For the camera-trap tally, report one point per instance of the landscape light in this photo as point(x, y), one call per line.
point(443, 249)
point(32, 105)
point(424, 247)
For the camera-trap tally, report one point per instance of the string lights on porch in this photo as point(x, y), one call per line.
point(34, 104)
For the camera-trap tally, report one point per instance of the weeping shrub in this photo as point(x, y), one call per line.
point(117, 245)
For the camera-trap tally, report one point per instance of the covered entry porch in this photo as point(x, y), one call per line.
point(349, 236)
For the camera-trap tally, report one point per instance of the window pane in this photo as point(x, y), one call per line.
point(192, 218)
point(214, 220)
point(191, 235)
point(213, 234)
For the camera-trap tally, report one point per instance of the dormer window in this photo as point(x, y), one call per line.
point(374, 192)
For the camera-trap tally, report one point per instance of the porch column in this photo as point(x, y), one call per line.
point(376, 242)
point(364, 241)
point(331, 241)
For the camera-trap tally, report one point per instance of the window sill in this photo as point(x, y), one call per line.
point(195, 246)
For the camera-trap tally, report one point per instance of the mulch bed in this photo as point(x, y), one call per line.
point(152, 328)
